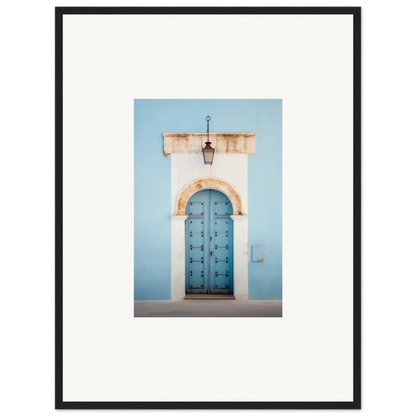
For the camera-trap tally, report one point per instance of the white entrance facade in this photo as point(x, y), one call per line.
point(229, 175)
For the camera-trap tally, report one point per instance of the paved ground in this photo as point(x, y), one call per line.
point(208, 308)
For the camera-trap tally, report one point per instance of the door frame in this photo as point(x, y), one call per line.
point(240, 240)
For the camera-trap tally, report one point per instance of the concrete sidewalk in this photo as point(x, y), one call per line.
point(208, 308)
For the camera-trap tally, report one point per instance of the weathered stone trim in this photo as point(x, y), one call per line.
point(180, 217)
point(208, 183)
point(238, 217)
point(185, 143)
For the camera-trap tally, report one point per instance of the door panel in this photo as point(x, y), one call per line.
point(221, 230)
point(209, 243)
point(221, 208)
point(196, 274)
point(196, 208)
point(197, 231)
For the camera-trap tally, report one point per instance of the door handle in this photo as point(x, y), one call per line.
point(211, 253)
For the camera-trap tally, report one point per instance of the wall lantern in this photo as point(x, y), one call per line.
point(208, 151)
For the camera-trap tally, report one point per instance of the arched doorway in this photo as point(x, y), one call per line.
point(209, 243)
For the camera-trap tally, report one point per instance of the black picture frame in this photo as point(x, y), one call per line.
point(355, 12)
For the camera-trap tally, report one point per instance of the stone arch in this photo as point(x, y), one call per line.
point(209, 183)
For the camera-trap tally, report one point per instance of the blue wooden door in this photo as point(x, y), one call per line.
point(209, 237)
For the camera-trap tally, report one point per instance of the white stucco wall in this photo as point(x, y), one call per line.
point(185, 169)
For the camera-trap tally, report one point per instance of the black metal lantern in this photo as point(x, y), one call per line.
point(208, 151)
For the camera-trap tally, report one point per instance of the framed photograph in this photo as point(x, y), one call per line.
point(208, 208)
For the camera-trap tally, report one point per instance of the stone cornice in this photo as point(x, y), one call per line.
point(185, 143)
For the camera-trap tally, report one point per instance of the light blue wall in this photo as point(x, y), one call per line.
point(152, 252)
point(265, 201)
